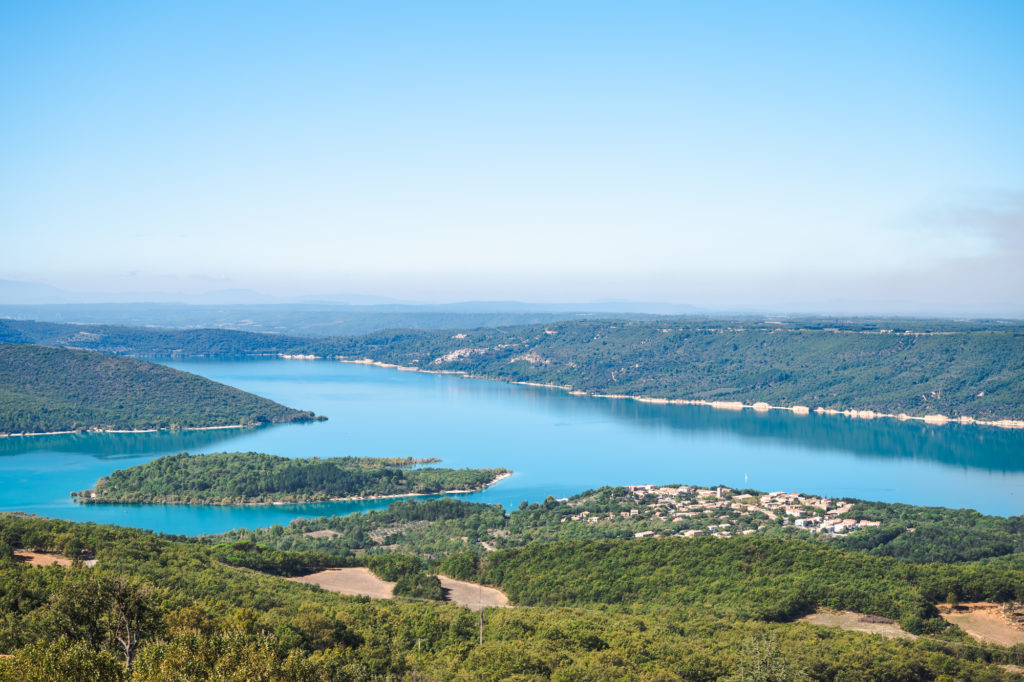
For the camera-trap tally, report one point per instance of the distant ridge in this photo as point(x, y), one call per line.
point(942, 370)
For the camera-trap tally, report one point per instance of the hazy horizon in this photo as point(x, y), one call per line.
point(797, 157)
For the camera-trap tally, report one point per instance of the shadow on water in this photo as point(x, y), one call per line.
point(117, 445)
point(960, 445)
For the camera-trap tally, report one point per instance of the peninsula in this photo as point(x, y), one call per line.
point(47, 390)
point(231, 478)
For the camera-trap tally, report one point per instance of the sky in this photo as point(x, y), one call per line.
point(722, 154)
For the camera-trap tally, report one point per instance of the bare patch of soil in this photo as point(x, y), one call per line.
point(472, 595)
point(362, 582)
point(41, 558)
point(985, 622)
point(858, 622)
point(318, 534)
point(352, 581)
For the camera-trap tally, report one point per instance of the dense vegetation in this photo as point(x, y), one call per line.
point(935, 533)
point(176, 612)
point(946, 369)
point(133, 341)
point(277, 562)
point(255, 477)
point(441, 527)
point(596, 567)
point(916, 367)
point(57, 389)
point(749, 578)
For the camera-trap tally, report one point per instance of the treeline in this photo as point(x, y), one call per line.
point(916, 367)
point(56, 389)
point(297, 319)
point(244, 554)
point(255, 477)
point(119, 340)
point(193, 617)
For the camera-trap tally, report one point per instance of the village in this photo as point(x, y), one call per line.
point(685, 511)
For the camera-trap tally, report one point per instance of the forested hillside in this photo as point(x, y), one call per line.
point(972, 370)
point(57, 389)
point(749, 578)
point(445, 526)
point(173, 610)
point(255, 477)
point(118, 340)
point(917, 367)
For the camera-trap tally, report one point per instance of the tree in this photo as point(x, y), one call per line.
point(133, 615)
point(762, 661)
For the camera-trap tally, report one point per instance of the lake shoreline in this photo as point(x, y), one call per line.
point(732, 405)
point(88, 431)
point(160, 430)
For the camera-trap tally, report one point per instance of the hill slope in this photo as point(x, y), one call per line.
point(56, 389)
point(918, 367)
point(972, 369)
point(193, 617)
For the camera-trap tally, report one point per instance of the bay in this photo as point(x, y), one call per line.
point(557, 445)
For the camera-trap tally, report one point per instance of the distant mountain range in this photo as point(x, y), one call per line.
point(15, 293)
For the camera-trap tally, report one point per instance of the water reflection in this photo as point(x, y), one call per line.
point(960, 445)
point(115, 445)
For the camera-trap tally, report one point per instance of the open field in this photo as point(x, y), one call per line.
point(362, 582)
point(985, 622)
point(472, 595)
point(318, 534)
point(41, 558)
point(858, 622)
point(352, 581)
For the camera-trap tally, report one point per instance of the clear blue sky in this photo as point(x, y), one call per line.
point(716, 153)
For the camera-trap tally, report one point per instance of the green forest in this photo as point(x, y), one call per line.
point(258, 478)
point(158, 607)
point(966, 371)
point(917, 367)
point(57, 389)
point(441, 527)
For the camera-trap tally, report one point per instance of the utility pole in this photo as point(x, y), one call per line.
point(480, 597)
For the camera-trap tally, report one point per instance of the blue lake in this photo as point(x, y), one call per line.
point(557, 444)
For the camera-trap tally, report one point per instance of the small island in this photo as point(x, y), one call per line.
point(233, 478)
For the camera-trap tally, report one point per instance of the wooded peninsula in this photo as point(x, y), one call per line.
point(45, 389)
point(227, 478)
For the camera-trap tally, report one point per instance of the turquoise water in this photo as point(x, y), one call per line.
point(557, 444)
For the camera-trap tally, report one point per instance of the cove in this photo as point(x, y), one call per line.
point(556, 443)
